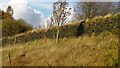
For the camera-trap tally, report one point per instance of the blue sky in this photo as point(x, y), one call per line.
point(34, 12)
point(44, 6)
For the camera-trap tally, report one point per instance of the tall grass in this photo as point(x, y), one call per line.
point(95, 25)
point(100, 50)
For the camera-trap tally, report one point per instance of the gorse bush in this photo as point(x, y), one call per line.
point(11, 27)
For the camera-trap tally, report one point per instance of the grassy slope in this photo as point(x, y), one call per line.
point(87, 50)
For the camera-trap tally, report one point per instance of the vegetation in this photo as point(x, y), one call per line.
point(60, 15)
point(8, 14)
point(95, 26)
point(0, 17)
point(89, 10)
point(11, 27)
point(97, 47)
point(83, 51)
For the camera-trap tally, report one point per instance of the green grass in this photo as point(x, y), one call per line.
point(96, 25)
point(100, 50)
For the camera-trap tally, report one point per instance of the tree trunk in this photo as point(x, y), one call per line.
point(57, 36)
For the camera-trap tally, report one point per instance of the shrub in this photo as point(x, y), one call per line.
point(94, 26)
point(11, 27)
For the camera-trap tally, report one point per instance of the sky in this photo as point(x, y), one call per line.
point(34, 12)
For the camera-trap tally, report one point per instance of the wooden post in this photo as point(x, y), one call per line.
point(57, 36)
point(9, 56)
point(15, 40)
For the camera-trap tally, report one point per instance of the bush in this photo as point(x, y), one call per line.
point(11, 27)
point(95, 26)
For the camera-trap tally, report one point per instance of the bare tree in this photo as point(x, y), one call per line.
point(92, 9)
point(61, 11)
point(9, 10)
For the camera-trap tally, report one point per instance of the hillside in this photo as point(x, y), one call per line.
point(101, 50)
point(95, 25)
point(97, 47)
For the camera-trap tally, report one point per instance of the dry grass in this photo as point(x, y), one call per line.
point(100, 50)
point(96, 25)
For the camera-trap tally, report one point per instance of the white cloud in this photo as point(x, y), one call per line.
point(23, 11)
point(3, 5)
point(72, 17)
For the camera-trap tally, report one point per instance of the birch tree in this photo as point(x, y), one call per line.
point(61, 11)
